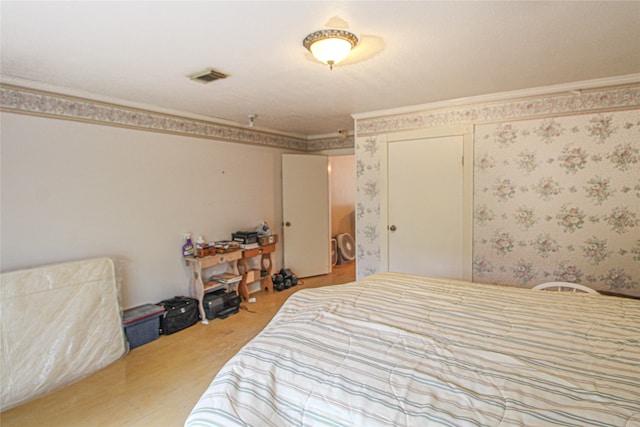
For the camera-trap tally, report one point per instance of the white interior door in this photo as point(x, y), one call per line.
point(306, 214)
point(426, 207)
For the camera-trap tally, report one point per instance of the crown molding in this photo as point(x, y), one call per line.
point(22, 100)
point(68, 92)
point(39, 102)
point(575, 98)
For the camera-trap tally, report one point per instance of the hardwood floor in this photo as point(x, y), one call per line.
point(158, 383)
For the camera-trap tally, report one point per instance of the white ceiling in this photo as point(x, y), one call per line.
point(410, 53)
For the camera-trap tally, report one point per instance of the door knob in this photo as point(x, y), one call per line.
point(392, 228)
point(288, 224)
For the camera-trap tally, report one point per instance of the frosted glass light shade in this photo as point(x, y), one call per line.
point(330, 50)
point(330, 46)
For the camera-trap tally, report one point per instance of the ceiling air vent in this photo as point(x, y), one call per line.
point(209, 75)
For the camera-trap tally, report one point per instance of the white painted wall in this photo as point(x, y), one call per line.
point(72, 190)
point(343, 194)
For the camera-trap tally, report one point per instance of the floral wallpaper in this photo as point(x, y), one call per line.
point(558, 199)
point(368, 182)
point(555, 198)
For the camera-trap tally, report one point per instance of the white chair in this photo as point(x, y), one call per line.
point(565, 287)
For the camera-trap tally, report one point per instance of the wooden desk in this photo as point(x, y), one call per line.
point(198, 286)
point(237, 261)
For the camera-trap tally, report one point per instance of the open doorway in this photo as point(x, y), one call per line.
point(342, 179)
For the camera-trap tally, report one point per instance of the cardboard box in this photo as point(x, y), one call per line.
point(268, 240)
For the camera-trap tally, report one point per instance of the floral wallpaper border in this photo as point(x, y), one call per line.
point(30, 101)
point(333, 143)
point(559, 104)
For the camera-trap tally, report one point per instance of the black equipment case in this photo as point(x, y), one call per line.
point(220, 304)
point(180, 313)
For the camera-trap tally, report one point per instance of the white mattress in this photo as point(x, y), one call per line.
point(406, 350)
point(59, 323)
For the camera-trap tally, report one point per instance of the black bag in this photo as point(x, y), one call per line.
point(180, 313)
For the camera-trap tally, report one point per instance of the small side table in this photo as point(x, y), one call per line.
point(198, 264)
point(250, 276)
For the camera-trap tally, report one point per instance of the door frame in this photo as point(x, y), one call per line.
point(467, 227)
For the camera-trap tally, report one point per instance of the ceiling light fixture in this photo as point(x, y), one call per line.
point(330, 46)
point(251, 117)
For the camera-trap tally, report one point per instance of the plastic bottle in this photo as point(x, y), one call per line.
point(187, 248)
point(200, 243)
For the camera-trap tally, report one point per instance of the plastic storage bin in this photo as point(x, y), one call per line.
point(142, 324)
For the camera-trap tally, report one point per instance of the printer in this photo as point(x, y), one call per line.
point(220, 304)
point(245, 237)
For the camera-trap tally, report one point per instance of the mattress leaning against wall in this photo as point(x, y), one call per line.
point(59, 323)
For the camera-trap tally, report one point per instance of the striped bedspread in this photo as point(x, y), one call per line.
point(402, 350)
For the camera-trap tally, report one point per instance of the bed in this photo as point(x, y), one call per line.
point(403, 350)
